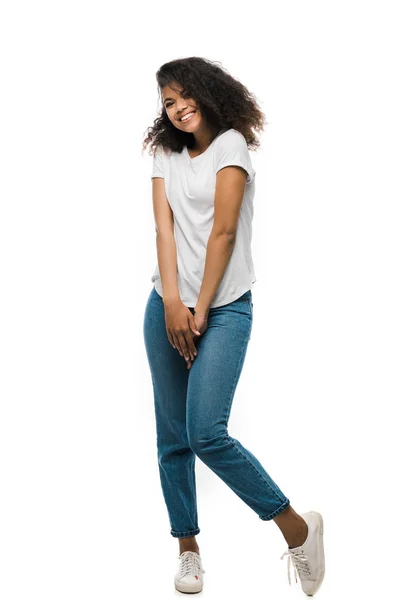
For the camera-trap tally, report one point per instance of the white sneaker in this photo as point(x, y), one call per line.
point(309, 559)
point(189, 577)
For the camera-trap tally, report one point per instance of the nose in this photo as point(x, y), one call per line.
point(180, 113)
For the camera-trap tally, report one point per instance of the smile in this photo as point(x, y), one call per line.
point(187, 117)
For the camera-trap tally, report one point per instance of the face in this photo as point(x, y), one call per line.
point(176, 107)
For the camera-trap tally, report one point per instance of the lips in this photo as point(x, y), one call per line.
point(188, 113)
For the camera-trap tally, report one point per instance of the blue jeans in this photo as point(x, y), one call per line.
point(192, 408)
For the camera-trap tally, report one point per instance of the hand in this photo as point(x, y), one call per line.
point(181, 329)
point(201, 322)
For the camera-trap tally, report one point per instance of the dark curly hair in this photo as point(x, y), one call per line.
point(223, 100)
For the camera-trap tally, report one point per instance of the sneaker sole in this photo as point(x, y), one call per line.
point(321, 554)
point(188, 588)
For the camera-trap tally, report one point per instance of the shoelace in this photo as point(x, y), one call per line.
point(299, 562)
point(190, 564)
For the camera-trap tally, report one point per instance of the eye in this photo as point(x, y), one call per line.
point(168, 104)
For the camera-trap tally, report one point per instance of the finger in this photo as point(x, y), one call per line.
point(171, 341)
point(190, 343)
point(177, 343)
point(197, 334)
point(193, 326)
point(191, 348)
point(183, 345)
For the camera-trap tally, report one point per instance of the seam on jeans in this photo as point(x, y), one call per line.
point(276, 512)
point(185, 533)
point(231, 439)
point(194, 492)
point(235, 381)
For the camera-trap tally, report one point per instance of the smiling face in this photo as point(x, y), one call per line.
point(176, 107)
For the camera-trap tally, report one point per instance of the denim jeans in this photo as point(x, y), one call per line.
point(192, 408)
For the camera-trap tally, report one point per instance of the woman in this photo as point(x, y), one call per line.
point(199, 314)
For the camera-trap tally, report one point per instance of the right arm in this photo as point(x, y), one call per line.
point(165, 240)
point(180, 324)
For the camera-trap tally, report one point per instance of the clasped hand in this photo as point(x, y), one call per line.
point(184, 329)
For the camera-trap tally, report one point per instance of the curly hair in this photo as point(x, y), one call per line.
point(224, 101)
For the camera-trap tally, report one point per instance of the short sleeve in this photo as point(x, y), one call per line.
point(232, 150)
point(158, 170)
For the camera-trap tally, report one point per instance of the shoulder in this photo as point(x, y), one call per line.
point(231, 141)
point(159, 162)
point(232, 136)
point(164, 154)
point(159, 152)
point(232, 150)
point(161, 155)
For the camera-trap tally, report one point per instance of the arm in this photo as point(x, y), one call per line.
point(180, 324)
point(229, 192)
point(165, 241)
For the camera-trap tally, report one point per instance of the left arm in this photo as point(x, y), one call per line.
point(229, 190)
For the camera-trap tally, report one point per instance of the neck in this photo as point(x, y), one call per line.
point(204, 138)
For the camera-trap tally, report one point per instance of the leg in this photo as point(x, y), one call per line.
point(293, 527)
point(176, 459)
point(189, 543)
point(213, 378)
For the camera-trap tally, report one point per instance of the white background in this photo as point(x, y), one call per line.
point(81, 509)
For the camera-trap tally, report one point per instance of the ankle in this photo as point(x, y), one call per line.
point(298, 539)
point(188, 544)
point(192, 548)
point(293, 526)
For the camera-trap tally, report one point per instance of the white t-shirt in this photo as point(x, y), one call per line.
point(190, 189)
